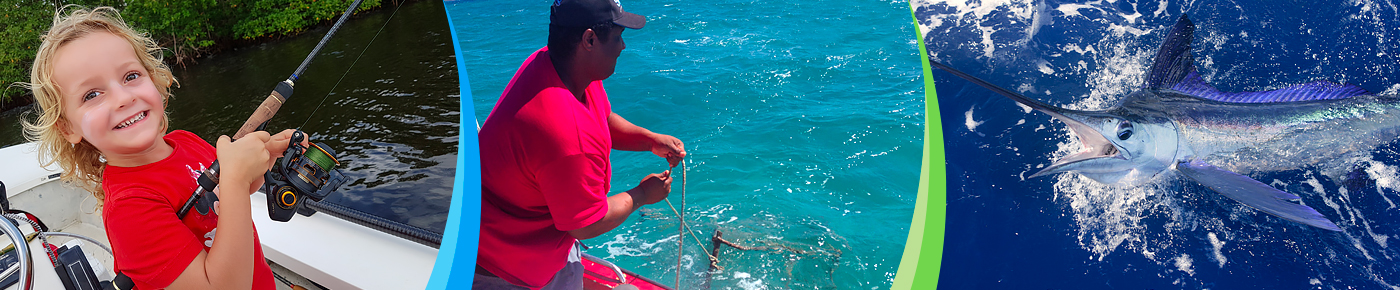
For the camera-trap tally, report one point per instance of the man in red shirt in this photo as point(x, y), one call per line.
point(545, 151)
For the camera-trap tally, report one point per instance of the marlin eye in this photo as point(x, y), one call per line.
point(1125, 130)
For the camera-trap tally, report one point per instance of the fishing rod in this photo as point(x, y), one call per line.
point(322, 177)
point(305, 175)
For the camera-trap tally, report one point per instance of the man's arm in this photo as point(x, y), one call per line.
point(654, 188)
point(629, 137)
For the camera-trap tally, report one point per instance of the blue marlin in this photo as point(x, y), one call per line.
point(1175, 120)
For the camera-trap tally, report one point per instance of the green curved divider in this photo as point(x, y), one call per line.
point(923, 251)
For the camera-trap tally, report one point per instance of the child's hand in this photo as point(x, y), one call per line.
point(278, 144)
point(244, 160)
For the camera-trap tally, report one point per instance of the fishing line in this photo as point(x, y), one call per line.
point(680, 237)
point(352, 65)
point(680, 251)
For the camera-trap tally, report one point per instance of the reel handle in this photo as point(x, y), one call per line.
point(297, 137)
point(267, 109)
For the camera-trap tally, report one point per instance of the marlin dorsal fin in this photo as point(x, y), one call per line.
point(1173, 61)
point(1317, 90)
point(1174, 68)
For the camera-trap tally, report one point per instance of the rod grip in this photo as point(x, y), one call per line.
point(267, 109)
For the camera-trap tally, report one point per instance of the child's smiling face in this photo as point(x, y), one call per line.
point(109, 98)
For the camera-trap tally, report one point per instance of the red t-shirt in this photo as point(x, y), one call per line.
point(544, 172)
point(152, 246)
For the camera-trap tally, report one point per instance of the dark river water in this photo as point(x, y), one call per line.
point(393, 117)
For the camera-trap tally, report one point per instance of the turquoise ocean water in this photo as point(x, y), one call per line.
point(802, 121)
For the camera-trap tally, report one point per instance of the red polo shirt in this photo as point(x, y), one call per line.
point(544, 172)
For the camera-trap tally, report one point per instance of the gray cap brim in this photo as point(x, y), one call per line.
point(630, 20)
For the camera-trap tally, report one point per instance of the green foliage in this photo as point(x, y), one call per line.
point(260, 18)
point(186, 28)
point(21, 23)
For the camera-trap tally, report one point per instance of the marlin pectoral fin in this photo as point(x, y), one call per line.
point(1254, 194)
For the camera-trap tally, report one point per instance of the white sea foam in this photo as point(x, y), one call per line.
point(976, 11)
point(730, 220)
point(1161, 8)
point(1215, 245)
point(1038, 18)
point(1183, 263)
point(1386, 177)
point(1336, 205)
point(1072, 10)
point(748, 282)
point(628, 244)
point(1024, 107)
point(1108, 217)
point(1025, 87)
point(1119, 71)
point(1044, 67)
point(971, 124)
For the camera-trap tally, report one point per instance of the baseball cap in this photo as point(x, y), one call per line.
point(585, 13)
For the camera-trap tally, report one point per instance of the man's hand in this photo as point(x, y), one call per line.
point(629, 137)
point(668, 147)
point(655, 187)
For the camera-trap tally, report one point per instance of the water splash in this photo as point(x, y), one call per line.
point(1216, 244)
point(1153, 219)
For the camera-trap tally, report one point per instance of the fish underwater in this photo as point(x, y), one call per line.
point(1175, 120)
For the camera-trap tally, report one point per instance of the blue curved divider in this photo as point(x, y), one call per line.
point(456, 260)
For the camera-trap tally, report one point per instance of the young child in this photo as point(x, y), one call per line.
point(101, 90)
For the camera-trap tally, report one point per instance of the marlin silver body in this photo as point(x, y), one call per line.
point(1177, 121)
point(1261, 137)
point(1273, 137)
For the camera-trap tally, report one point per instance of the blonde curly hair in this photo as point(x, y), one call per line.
point(81, 162)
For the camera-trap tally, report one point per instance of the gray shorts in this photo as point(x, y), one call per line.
point(568, 278)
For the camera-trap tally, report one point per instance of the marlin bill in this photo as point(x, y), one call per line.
point(1175, 120)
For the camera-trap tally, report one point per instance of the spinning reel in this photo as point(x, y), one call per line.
point(301, 173)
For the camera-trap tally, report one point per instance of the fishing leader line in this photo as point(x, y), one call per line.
point(352, 65)
point(680, 241)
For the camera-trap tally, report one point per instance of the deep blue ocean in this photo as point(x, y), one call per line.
point(1068, 232)
point(802, 121)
